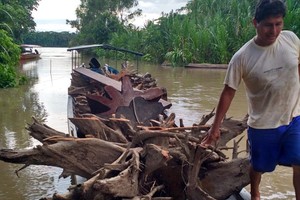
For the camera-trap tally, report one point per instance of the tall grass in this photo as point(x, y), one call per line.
point(210, 31)
point(225, 23)
point(292, 18)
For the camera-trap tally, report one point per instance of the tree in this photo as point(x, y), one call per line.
point(49, 38)
point(97, 20)
point(18, 16)
point(15, 20)
point(9, 58)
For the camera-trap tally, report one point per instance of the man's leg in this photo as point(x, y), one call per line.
point(255, 178)
point(296, 180)
point(291, 152)
point(264, 152)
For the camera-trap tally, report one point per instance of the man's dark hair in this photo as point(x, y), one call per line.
point(269, 8)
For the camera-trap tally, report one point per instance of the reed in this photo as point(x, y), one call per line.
point(210, 31)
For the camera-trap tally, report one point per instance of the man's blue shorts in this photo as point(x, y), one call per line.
point(270, 147)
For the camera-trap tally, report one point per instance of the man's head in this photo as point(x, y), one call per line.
point(268, 21)
point(269, 8)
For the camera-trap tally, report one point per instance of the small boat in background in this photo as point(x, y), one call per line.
point(29, 52)
point(206, 66)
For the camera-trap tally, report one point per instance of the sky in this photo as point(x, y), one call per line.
point(51, 15)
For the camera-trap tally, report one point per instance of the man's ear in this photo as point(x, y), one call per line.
point(254, 22)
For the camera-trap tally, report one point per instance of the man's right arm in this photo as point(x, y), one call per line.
point(223, 106)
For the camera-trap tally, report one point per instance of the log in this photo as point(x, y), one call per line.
point(236, 169)
point(85, 157)
point(76, 156)
point(95, 127)
point(41, 131)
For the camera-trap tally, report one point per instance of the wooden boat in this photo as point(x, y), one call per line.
point(103, 75)
point(29, 52)
point(206, 66)
point(83, 106)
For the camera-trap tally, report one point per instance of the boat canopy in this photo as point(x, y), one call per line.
point(105, 47)
point(30, 45)
point(76, 50)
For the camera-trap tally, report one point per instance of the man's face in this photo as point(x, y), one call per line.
point(267, 30)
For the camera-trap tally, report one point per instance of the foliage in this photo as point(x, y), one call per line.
point(292, 18)
point(16, 14)
point(49, 38)
point(153, 37)
point(97, 20)
point(205, 31)
point(9, 58)
point(15, 20)
point(211, 31)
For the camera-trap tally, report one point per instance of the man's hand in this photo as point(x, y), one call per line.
point(211, 138)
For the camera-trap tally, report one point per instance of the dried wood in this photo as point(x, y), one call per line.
point(75, 156)
point(137, 152)
point(140, 111)
point(95, 127)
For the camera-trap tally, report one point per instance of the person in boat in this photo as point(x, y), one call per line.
point(110, 69)
point(269, 66)
point(95, 66)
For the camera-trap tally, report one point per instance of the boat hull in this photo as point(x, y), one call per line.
point(29, 56)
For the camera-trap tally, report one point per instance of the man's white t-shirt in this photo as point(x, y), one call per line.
point(271, 79)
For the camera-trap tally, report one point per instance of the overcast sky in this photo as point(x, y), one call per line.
point(51, 15)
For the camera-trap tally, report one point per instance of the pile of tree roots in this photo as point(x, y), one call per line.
point(126, 145)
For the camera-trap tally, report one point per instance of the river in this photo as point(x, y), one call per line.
point(193, 93)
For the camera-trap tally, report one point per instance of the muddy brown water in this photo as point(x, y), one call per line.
point(193, 93)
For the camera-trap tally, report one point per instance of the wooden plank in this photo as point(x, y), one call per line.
point(99, 77)
point(70, 112)
point(108, 81)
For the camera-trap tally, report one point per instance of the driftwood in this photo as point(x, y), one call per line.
point(176, 167)
point(130, 156)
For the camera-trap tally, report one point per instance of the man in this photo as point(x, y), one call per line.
point(268, 65)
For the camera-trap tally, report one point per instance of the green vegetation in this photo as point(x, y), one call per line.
point(49, 38)
point(210, 32)
point(98, 20)
point(16, 14)
point(15, 20)
point(9, 58)
point(204, 31)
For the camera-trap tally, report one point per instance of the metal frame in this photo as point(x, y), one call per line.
point(76, 57)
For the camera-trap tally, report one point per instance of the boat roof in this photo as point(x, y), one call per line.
point(30, 45)
point(103, 46)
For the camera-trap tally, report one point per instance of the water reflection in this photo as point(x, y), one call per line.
point(18, 105)
point(44, 97)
